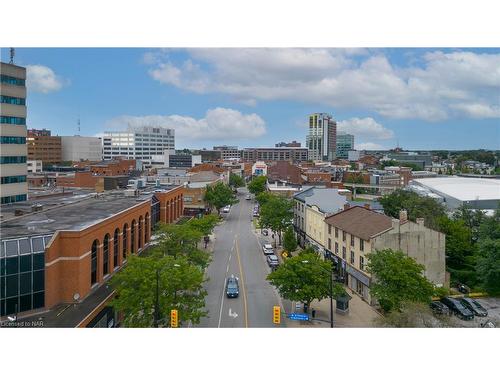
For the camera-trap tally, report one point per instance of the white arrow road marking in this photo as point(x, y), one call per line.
point(232, 314)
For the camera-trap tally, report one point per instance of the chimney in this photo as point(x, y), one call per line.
point(403, 216)
point(420, 221)
point(346, 205)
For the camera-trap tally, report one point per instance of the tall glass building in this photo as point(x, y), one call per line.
point(345, 143)
point(13, 168)
point(321, 139)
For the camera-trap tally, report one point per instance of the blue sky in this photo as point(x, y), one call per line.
point(419, 98)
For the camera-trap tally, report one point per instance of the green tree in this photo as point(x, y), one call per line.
point(180, 240)
point(304, 278)
point(205, 225)
point(415, 205)
point(257, 185)
point(180, 286)
point(219, 195)
point(236, 181)
point(263, 197)
point(488, 263)
point(458, 241)
point(471, 218)
point(289, 240)
point(397, 279)
point(276, 214)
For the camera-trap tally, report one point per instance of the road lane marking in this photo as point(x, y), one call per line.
point(232, 314)
point(242, 276)
point(221, 304)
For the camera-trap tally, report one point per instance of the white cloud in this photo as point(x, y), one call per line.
point(478, 110)
point(370, 146)
point(429, 89)
point(40, 78)
point(218, 124)
point(366, 128)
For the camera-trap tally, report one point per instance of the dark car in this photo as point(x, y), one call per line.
point(462, 288)
point(457, 308)
point(272, 260)
point(474, 306)
point(232, 287)
point(439, 308)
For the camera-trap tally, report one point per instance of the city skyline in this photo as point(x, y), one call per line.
point(258, 97)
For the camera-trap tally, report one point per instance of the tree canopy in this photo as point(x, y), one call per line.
point(397, 278)
point(289, 240)
point(257, 185)
point(488, 263)
point(219, 195)
point(276, 213)
point(415, 205)
point(304, 278)
point(180, 286)
point(236, 180)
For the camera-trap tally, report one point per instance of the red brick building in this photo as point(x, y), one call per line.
point(284, 170)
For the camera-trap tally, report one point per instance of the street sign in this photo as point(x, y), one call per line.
point(276, 315)
point(174, 319)
point(296, 316)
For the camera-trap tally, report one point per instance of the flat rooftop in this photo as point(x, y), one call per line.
point(463, 188)
point(63, 213)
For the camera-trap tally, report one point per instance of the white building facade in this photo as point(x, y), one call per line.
point(322, 137)
point(140, 143)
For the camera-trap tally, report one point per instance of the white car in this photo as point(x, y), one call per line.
point(268, 249)
point(248, 197)
point(226, 209)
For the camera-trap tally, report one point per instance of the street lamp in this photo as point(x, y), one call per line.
point(331, 293)
point(156, 317)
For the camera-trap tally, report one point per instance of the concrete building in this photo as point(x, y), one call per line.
point(140, 143)
point(228, 152)
point(56, 263)
point(421, 160)
point(355, 155)
point(208, 156)
point(44, 146)
point(345, 143)
point(355, 232)
point(476, 193)
point(13, 150)
point(34, 166)
point(171, 160)
point(259, 168)
point(322, 137)
point(293, 154)
point(78, 148)
point(311, 206)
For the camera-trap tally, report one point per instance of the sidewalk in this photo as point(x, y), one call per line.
point(360, 315)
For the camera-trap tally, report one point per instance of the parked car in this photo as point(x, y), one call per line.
point(256, 214)
point(439, 308)
point(268, 249)
point(474, 306)
point(226, 209)
point(232, 287)
point(457, 308)
point(265, 232)
point(272, 260)
point(248, 197)
point(462, 288)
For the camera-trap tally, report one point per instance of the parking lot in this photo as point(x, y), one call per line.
point(492, 305)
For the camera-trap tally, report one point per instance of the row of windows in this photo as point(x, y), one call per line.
point(352, 260)
point(361, 242)
point(12, 100)
point(13, 179)
point(12, 159)
point(14, 198)
point(13, 140)
point(12, 80)
point(13, 120)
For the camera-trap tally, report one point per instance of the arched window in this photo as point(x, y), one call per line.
point(125, 238)
point(115, 248)
point(132, 237)
point(105, 255)
point(146, 228)
point(140, 232)
point(93, 262)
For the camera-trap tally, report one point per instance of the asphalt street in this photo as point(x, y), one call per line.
point(238, 252)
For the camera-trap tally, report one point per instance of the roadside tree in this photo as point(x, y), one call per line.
point(276, 214)
point(236, 181)
point(397, 278)
point(219, 195)
point(257, 185)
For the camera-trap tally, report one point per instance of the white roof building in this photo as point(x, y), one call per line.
point(478, 193)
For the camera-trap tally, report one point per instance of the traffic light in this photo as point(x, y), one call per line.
point(276, 315)
point(174, 319)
